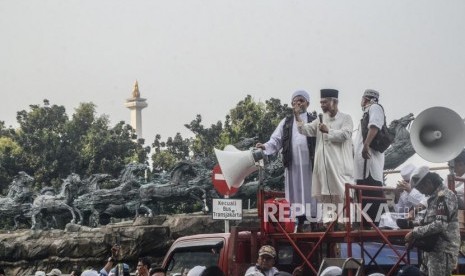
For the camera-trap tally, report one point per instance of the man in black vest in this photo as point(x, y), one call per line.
point(368, 162)
point(298, 152)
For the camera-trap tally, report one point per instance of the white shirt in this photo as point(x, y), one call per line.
point(253, 271)
point(375, 165)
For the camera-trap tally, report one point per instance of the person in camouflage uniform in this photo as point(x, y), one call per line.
point(440, 224)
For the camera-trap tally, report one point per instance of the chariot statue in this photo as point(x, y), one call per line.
point(48, 204)
point(98, 205)
point(17, 203)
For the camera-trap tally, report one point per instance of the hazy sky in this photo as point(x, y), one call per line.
point(203, 56)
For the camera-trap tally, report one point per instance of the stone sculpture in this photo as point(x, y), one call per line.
point(52, 204)
point(401, 149)
point(98, 205)
point(190, 180)
point(17, 202)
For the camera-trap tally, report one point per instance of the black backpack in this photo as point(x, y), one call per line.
point(383, 138)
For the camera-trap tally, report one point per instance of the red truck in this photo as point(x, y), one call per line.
point(233, 252)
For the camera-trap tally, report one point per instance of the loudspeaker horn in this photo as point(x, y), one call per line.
point(438, 134)
point(236, 165)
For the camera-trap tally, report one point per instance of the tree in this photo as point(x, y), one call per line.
point(41, 135)
point(274, 113)
point(108, 150)
point(205, 138)
point(10, 161)
point(168, 153)
point(52, 146)
point(253, 119)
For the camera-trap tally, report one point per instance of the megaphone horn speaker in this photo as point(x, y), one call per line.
point(236, 165)
point(438, 134)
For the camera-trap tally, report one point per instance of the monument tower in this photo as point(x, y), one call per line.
point(136, 104)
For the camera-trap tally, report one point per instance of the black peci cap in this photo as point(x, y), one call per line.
point(329, 93)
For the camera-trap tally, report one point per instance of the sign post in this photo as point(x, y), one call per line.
point(226, 209)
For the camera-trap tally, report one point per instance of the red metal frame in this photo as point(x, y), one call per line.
point(330, 236)
point(349, 235)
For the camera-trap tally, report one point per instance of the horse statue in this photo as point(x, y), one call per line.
point(55, 204)
point(401, 149)
point(190, 181)
point(98, 206)
point(94, 182)
point(19, 198)
point(131, 172)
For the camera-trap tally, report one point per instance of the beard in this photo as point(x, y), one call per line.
point(302, 109)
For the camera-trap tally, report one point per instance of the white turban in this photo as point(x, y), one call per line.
point(302, 93)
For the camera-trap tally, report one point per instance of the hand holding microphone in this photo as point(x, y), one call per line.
point(323, 128)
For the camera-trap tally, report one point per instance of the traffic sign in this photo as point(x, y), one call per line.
point(227, 209)
point(220, 183)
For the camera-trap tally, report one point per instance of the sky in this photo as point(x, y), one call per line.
point(204, 56)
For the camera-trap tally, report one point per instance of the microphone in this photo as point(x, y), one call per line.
point(320, 116)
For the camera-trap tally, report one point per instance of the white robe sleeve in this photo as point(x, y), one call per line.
point(276, 140)
point(308, 129)
point(344, 133)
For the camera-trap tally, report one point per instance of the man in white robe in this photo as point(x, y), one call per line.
point(369, 163)
point(333, 152)
point(298, 169)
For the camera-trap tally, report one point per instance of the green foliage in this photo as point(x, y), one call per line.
point(10, 155)
point(49, 146)
point(252, 119)
point(205, 138)
point(168, 153)
point(41, 135)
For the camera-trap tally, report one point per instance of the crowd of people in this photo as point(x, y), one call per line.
point(145, 267)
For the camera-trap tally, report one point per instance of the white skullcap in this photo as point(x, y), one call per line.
point(89, 273)
point(196, 270)
point(407, 171)
point(418, 175)
point(302, 93)
point(332, 271)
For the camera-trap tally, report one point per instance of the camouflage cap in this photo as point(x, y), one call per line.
point(267, 250)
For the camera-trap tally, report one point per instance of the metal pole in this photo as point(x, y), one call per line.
point(226, 222)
